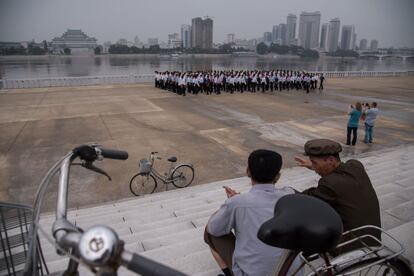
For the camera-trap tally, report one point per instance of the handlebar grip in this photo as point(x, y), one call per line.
point(114, 154)
point(145, 266)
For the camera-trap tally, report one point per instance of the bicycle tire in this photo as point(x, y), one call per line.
point(397, 265)
point(142, 184)
point(182, 176)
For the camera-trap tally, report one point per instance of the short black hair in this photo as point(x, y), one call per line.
point(374, 104)
point(264, 165)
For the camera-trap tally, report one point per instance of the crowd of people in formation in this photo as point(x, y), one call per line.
point(209, 82)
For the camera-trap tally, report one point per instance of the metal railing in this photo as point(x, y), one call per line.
point(363, 74)
point(132, 79)
point(74, 81)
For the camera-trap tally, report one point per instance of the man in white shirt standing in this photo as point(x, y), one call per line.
point(370, 117)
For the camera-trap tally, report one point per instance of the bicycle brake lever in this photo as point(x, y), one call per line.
point(91, 167)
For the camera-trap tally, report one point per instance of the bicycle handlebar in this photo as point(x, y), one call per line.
point(114, 154)
point(145, 266)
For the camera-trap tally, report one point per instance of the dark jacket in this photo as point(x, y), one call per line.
point(349, 191)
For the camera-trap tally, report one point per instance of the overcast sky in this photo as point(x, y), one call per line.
point(391, 22)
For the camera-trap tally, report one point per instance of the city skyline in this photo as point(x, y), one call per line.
point(22, 21)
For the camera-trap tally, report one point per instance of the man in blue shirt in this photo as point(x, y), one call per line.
point(242, 253)
point(371, 115)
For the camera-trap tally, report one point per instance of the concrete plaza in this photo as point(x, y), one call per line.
point(214, 132)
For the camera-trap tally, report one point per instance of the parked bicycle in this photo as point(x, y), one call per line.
point(145, 182)
point(309, 228)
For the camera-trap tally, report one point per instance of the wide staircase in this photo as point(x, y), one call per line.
point(168, 226)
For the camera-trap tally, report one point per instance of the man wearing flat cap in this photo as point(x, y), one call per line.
point(344, 186)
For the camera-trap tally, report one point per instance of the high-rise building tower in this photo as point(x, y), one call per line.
point(363, 44)
point(267, 37)
point(202, 33)
point(231, 38)
point(291, 29)
point(374, 45)
point(275, 33)
point(186, 36)
point(174, 41)
point(197, 32)
point(347, 36)
point(207, 33)
point(282, 34)
point(324, 37)
point(333, 34)
point(353, 47)
point(309, 24)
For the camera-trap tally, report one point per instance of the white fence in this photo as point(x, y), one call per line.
point(73, 81)
point(129, 79)
point(364, 74)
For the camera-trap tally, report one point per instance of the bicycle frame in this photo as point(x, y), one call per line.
point(167, 178)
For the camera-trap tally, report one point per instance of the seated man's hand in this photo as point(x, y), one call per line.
point(303, 162)
point(230, 192)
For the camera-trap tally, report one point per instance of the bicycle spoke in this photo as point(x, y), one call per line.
point(142, 184)
point(182, 176)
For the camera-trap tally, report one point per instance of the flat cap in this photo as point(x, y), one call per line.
point(321, 147)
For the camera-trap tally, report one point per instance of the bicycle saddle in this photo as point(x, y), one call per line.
point(172, 159)
point(302, 223)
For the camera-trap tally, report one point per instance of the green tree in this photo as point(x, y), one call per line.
point(307, 53)
point(67, 51)
point(226, 49)
point(36, 51)
point(154, 48)
point(262, 48)
point(97, 50)
point(345, 53)
point(45, 46)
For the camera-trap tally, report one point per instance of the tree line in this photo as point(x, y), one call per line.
point(155, 49)
point(263, 49)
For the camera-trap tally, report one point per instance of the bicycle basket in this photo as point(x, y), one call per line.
point(15, 227)
point(144, 166)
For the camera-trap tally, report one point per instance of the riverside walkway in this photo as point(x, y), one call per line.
point(216, 133)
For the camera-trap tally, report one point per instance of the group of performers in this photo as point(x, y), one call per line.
point(209, 82)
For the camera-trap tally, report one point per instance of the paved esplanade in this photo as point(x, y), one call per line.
point(215, 132)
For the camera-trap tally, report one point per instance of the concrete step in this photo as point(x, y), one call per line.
point(403, 211)
point(390, 200)
point(388, 188)
point(173, 252)
point(173, 238)
point(209, 272)
point(194, 263)
point(406, 181)
point(404, 233)
point(389, 221)
point(137, 228)
point(152, 233)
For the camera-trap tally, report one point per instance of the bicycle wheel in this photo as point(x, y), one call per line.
point(142, 183)
point(396, 266)
point(182, 176)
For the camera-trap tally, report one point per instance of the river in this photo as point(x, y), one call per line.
point(22, 67)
